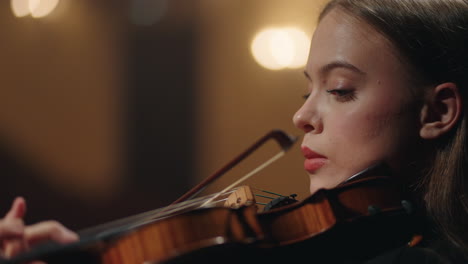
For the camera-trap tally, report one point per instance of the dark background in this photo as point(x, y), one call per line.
point(103, 117)
point(157, 66)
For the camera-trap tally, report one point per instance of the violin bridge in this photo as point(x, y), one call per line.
point(242, 196)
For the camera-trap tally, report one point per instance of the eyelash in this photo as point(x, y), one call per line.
point(341, 95)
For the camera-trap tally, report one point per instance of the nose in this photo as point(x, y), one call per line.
point(308, 119)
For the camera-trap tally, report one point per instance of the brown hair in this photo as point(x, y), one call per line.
point(431, 37)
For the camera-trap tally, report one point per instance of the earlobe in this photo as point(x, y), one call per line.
point(441, 111)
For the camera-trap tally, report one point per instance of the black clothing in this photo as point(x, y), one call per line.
point(436, 253)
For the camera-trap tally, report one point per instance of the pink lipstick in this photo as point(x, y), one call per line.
point(314, 161)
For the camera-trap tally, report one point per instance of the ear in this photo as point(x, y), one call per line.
point(441, 111)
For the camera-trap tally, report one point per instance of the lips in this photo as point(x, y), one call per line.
point(314, 161)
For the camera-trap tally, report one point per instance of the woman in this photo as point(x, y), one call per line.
point(15, 237)
point(387, 82)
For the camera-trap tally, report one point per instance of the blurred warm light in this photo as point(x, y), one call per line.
point(35, 8)
point(43, 7)
point(20, 7)
point(261, 50)
point(301, 43)
point(279, 48)
point(33, 5)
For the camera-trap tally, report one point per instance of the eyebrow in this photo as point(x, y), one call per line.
point(336, 64)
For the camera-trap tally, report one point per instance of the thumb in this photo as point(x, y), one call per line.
point(17, 210)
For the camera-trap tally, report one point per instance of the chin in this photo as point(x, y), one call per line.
point(324, 181)
point(315, 186)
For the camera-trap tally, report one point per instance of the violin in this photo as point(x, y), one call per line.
point(362, 217)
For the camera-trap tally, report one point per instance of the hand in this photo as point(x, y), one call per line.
point(16, 238)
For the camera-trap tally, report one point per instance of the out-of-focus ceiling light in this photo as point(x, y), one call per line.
point(279, 48)
point(35, 8)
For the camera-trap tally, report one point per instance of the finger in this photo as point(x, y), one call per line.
point(11, 236)
point(11, 229)
point(18, 209)
point(14, 247)
point(49, 231)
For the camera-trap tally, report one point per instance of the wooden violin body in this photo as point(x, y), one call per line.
point(356, 220)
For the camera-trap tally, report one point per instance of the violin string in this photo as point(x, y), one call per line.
point(250, 174)
point(147, 221)
point(197, 201)
point(171, 211)
point(264, 196)
point(151, 220)
point(180, 207)
point(209, 201)
point(182, 210)
point(153, 214)
point(206, 201)
point(149, 214)
point(269, 192)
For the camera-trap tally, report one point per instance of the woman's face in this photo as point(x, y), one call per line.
point(360, 109)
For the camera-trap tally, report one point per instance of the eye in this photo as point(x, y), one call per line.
point(305, 96)
point(343, 95)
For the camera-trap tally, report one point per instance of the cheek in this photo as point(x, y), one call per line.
point(358, 127)
point(373, 119)
point(366, 134)
point(377, 124)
